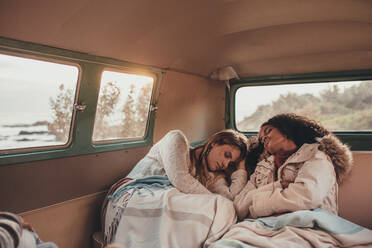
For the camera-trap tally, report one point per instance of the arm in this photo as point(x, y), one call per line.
point(174, 154)
point(244, 200)
point(260, 181)
point(311, 186)
point(10, 230)
point(238, 180)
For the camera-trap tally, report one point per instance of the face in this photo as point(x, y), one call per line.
point(220, 156)
point(274, 141)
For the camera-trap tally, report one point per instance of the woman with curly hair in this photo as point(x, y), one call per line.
point(302, 171)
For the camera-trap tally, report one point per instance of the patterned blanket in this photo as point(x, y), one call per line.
point(152, 213)
point(316, 228)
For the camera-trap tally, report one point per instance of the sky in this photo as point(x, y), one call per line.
point(249, 98)
point(26, 86)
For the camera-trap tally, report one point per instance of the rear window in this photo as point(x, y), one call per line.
point(339, 106)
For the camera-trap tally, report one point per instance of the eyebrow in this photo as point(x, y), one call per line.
point(266, 129)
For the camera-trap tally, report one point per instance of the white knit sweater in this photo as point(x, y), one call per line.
point(170, 156)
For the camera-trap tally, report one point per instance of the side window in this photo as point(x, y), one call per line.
point(36, 102)
point(123, 107)
point(339, 106)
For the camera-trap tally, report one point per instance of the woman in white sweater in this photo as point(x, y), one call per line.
point(143, 208)
point(199, 170)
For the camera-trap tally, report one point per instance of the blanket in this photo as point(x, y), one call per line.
point(305, 228)
point(155, 214)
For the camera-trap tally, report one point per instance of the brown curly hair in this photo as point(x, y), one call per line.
point(299, 129)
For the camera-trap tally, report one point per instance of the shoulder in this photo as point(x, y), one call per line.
point(176, 136)
point(340, 155)
point(174, 139)
point(319, 163)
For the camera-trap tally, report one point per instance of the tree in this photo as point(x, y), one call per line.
point(62, 112)
point(337, 110)
point(142, 109)
point(129, 120)
point(105, 107)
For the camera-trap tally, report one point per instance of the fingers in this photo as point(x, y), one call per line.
point(241, 165)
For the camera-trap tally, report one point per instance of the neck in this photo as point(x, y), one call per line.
point(282, 155)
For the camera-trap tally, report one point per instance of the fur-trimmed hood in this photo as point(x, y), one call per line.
point(339, 153)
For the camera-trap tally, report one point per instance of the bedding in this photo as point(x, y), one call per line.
point(152, 213)
point(305, 228)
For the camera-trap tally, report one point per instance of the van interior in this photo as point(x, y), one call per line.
point(195, 51)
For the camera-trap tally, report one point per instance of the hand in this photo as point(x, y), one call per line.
point(242, 204)
point(25, 224)
point(284, 184)
point(241, 165)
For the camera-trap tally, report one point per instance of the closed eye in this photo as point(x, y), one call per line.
point(228, 155)
point(267, 130)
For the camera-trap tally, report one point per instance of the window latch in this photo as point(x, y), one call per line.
point(80, 107)
point(153, 108)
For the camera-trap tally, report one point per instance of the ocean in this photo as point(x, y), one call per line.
point(23, 134)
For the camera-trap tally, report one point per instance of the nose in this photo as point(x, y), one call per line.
point(225, 164)
point(263, 139)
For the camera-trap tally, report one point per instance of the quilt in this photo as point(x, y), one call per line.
point(152, 213)
point(306, 228)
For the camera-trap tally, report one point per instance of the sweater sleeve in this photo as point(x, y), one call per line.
point(10, 230)
point(312, 184)
point(238, 180)
point(242, 201)
point(174, 154)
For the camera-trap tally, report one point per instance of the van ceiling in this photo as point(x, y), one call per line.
point(198, 36)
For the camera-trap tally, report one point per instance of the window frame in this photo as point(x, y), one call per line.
point(358, 141)
point(151, 108)
point(89, 78)
point(76, 93)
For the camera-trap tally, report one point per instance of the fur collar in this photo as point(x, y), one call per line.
point(339, 154)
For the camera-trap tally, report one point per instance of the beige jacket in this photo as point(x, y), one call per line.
point(314, 172)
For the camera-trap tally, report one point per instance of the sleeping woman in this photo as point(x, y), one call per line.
point(306, 165)
point(199, 170)
point(217, 166)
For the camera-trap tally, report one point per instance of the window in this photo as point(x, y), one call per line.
point(123, 106)
point(36, 102)
point(58, 103)
point(339, 106)
point(341, 101)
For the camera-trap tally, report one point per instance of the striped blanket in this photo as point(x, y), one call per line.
point(151, 213)
point(316, 228)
